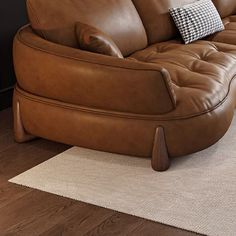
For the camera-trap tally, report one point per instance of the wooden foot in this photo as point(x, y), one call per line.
point(19, 132)
point(160, 157)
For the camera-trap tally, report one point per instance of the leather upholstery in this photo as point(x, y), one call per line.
point(225, 7)
point(121, 132)
point(93, 40)
point(157, 21)
point(124, 23)
point(229, 34)
point(112, 104)
point(227, 10)
point(199, 80)
point(89, 79)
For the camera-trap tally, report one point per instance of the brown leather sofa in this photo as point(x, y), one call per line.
point(227, 10)
point(164, 99)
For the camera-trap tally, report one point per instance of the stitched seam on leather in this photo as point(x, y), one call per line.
point(83, 60)
point(31, 8)
point(124, 115)
point(160, 70)
point(166, 84)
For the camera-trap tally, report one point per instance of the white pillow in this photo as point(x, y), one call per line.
point(197, 20)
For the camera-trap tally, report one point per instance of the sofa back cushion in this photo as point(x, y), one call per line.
point(156, 18)
point(225, 7)
point(55, 20)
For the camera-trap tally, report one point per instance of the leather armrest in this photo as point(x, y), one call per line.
point(90, 80)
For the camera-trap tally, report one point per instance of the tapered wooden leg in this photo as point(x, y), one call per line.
point(160, 157)
point(19, 132)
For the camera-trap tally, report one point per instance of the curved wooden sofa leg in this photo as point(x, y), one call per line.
point(20, 134)
point(160, 157)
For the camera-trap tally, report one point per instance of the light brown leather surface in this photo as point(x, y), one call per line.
point(87, 79)
point(156, 18)
point(225, 7)
point(93, 40)
point(112, 104)
point(120, 132)
point(55, 20)
point(200, 82)
point(229, 34)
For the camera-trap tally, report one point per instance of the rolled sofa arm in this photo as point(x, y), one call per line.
point(90, 80)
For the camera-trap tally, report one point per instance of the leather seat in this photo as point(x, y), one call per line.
point(163, 100)
point(229, 34)
point(227, 11)
point(200, 72)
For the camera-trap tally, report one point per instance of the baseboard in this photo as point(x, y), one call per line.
point(6, 97)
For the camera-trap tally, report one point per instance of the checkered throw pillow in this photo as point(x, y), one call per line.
point(197, 20)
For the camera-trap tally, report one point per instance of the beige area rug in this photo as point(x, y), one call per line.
point(198, 193)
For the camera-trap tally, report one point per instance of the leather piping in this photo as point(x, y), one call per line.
point(18, 37)
point(162, 71)
point(119, 114)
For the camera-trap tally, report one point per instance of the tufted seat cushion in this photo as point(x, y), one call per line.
point(229, 34)
point(201, 72)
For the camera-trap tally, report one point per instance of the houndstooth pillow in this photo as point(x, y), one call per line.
point(197, 20)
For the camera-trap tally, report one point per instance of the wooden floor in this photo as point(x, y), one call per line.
point(27, 212)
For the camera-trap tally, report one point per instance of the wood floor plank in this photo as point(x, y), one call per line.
point(81, 222)
point(6, 141)
point(117, 225)
point(10, 193)
point(21, 157)
point(29, 212)
point(27, 215)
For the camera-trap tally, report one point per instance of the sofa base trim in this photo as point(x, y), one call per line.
point(160, 156)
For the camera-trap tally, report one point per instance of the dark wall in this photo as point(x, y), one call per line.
point(12, 16)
